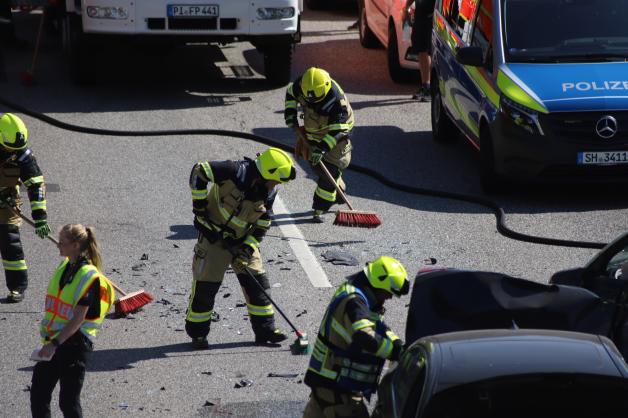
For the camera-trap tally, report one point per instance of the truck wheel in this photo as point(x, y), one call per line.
point(443, 129)
point(396, 71)
point(492, 183)
point(278, 64)
point(367, 37)
point(316, 4)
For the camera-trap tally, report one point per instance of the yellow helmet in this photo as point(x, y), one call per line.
point(275, 165)
point(13, 132)
point(388, 274)
point(315, 84)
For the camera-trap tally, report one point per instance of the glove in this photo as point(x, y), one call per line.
point(242, 257)
point(42, 229)
point(316, 156)
point(397, 350)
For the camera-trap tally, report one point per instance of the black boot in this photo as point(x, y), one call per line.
point(270, 337)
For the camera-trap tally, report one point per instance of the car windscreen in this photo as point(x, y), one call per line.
point(565, 30)
point(538, 395)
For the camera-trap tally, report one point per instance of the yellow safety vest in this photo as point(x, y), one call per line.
point(60, 303)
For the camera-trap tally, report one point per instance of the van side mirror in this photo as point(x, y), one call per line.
point(470, 55)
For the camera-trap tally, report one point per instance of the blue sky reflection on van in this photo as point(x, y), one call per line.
point(577, 87)
point(530, 83)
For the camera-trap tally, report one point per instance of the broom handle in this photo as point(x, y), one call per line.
point(51, 238)
point(39, 31)
point(253, 279)
point(338, 189)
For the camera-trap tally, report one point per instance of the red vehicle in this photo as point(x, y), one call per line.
point(389, 23)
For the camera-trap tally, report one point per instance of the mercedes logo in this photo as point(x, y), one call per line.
point(606, 127)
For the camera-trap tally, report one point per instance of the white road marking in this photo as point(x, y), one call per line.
point(299, 246)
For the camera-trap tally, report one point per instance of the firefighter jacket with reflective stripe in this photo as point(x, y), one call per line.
point(61, 302)
point(238, 206)
point(326, 122)
point(22, 166)
point(339, 363)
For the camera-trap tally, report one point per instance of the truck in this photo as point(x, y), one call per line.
point(271, 26)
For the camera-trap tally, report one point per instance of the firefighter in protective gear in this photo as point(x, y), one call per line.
point(232, 218)
point(77, 300)
point(18, 164)
point(353, 342)
point(325, 134)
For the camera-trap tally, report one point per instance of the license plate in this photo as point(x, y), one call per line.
point(603, 158)
point(182, 10)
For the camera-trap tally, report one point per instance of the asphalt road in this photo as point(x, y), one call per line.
point(134, 191)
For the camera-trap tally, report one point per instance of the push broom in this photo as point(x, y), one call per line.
point(301, 345)
point(351, 217)
point(129, 302)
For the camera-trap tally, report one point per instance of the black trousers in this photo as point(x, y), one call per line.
point(11, 250)
point(67, 367)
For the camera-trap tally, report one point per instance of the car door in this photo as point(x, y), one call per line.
point(446, 43)
point(377, 16)
point(465, 93)
point(481, 93)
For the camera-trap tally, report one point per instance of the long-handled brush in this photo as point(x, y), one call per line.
point(129, 302)
point(28, 76)
point(351, 217)
point(301, 345)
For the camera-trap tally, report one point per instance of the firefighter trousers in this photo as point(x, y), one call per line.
point(209, 266)
point(326, 403)
point(15, 269)
point(336, 161)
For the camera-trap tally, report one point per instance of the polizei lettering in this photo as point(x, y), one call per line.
point(595, 85)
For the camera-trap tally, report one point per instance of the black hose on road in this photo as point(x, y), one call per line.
point(502, 228)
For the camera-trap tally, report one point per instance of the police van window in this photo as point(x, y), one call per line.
point(571, 30)
point(483, 31)
point(459, 14)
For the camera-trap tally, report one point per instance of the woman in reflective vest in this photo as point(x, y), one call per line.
point(77, 300)
point(353, 342)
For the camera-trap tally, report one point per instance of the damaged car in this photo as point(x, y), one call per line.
point(485, 344)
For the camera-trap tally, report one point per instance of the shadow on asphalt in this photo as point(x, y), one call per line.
point(104, 360)
point(189, 232)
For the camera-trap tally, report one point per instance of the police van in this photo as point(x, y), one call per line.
point(539, 87)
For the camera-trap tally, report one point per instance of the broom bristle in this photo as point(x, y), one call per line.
point(132, 302)
point(301, 345)
point(359, 219)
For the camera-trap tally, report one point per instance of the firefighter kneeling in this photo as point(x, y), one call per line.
point(353, 342)
point(232, 218)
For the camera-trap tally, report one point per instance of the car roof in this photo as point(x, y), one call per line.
point(470, 356)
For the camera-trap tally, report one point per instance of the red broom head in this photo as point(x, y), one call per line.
point(354, 218)
point(132, 302)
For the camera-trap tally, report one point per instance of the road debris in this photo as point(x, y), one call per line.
point(244, 383)
point(340, 258)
